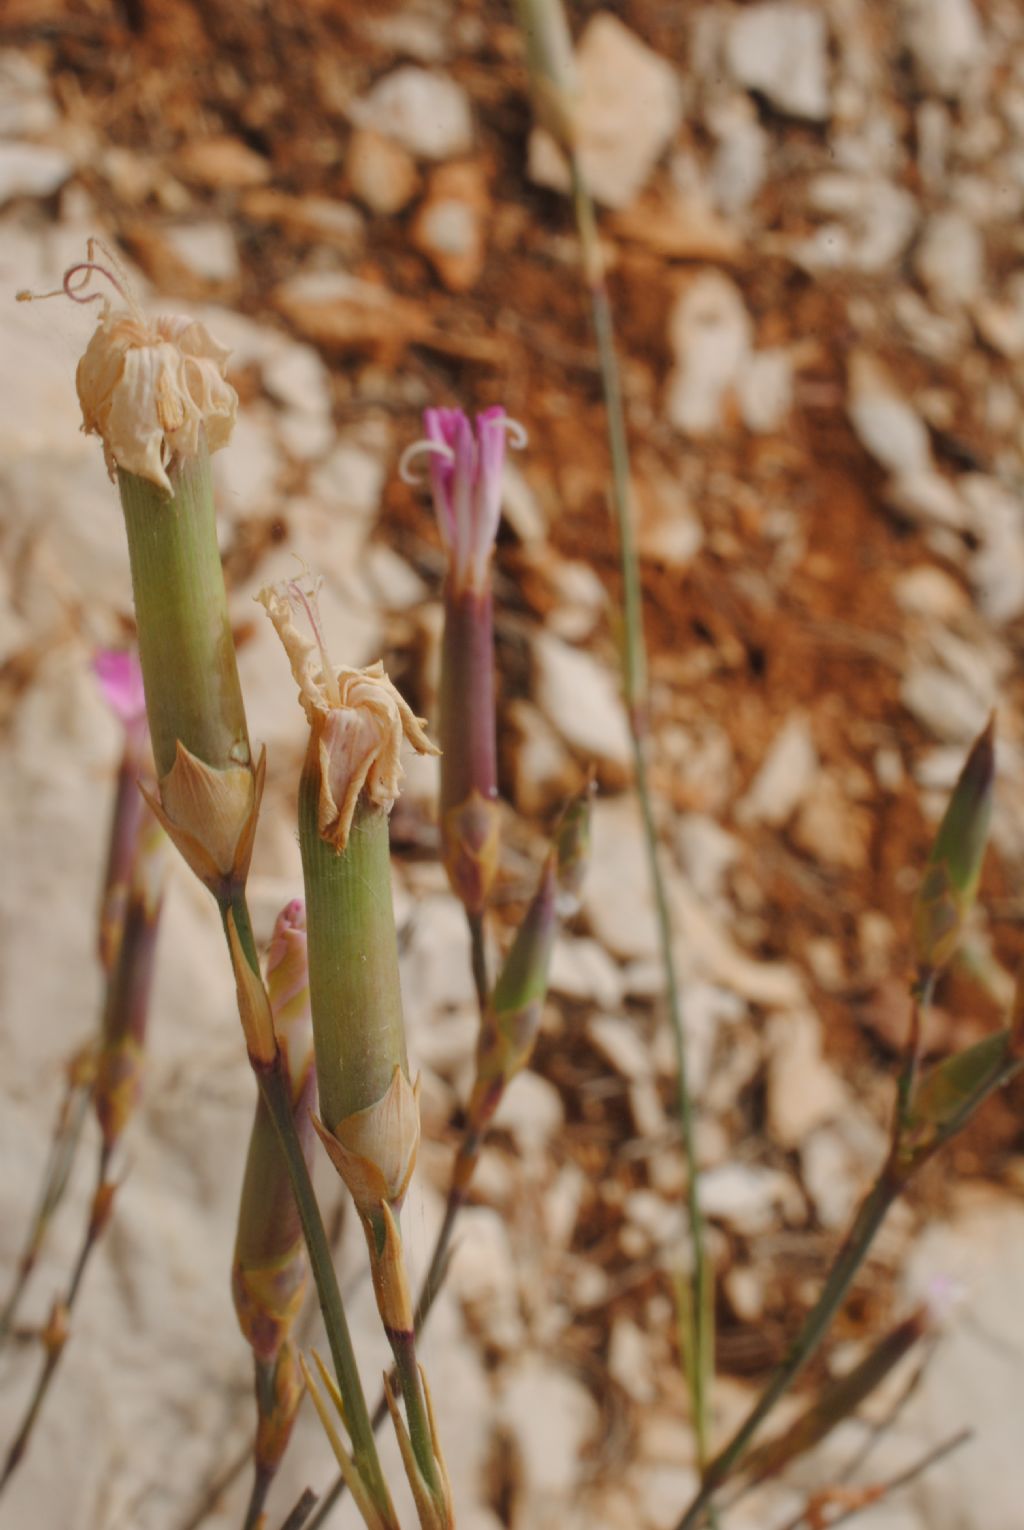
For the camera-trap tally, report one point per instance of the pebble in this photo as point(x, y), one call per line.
point(531, 1109)
point(706, 853)
point(710, 336)
point(765, 390)
point(929, 592)
point(950, 259)
point(544, 773)
point(996, 567)
point(381, 173)
point(27, 108)
point(832, 828)
point(780, 50)
point(580, 698)
point(878, 222)
point(582, 969)
point(630, 1362)
point(629, 110)
point(973, 1374)
point(739, 162)
point(747, 1197)
point(946, 42)
point(482, 1276)
point(31, 170)
point(887, 426)
point(803, 1089)
point(921, 496)
point(207, 250)
point(450, 222)
point(785, 776)
point(427, 113)
point(221, 163)
point(551, 1418)
point(951, 700)
point(616, 889)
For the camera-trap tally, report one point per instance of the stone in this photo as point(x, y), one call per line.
point(922, 495)
point(950, 258)
point(630, 1362)
point(765, 390)
point(381, 173)
point(581, 969)
point(628, 111)
point(295, 377)
point(223, 163)
point(972, 1377)
point(877, 223)
point(779, 48)
point(832, 828)
point(620, 1044)
point(946, 42)
point(747, 1197)
point(207, 250)
point(803, 1090)
point(427, 113)
point(951, 697)
point(785, 776)
point(616, 889)
point(31, 170)
point(246, 475)
point(531, 1109)
point(739, 163)
point(482, 1277)
point(551, 1418)
point(888, 427)
point(544, 773)
point(27, 109)
point(449, 224)
point(1000, 319)
point(930, 593)
point(706, 853)
point(996, 567)
point(710, 336)
point(580, 698)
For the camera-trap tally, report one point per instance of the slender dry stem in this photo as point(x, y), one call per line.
point(633, 657)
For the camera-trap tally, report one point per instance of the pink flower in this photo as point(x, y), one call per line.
point(465, 478)
point(120, 676)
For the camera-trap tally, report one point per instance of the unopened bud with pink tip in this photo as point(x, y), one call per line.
point(465, 473)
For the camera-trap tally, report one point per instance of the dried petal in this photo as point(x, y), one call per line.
point(359, 717)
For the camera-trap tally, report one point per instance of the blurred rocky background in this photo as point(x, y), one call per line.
point(813, 215)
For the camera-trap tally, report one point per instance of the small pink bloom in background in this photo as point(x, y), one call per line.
point(465, 478)
point(120, 676)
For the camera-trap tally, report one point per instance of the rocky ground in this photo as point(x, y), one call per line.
point(813, 217)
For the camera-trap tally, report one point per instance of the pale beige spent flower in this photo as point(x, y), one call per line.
point(359, 719)
point(148, 387)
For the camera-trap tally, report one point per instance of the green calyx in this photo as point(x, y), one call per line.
point(193, 693)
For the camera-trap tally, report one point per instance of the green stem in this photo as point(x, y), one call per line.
point(633, 656)
point(478, 956)
point(275, 1089)
point(869, 1218)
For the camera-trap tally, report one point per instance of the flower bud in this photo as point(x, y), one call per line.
point(512, 1019)
point(549, 56)
point(950, 882)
